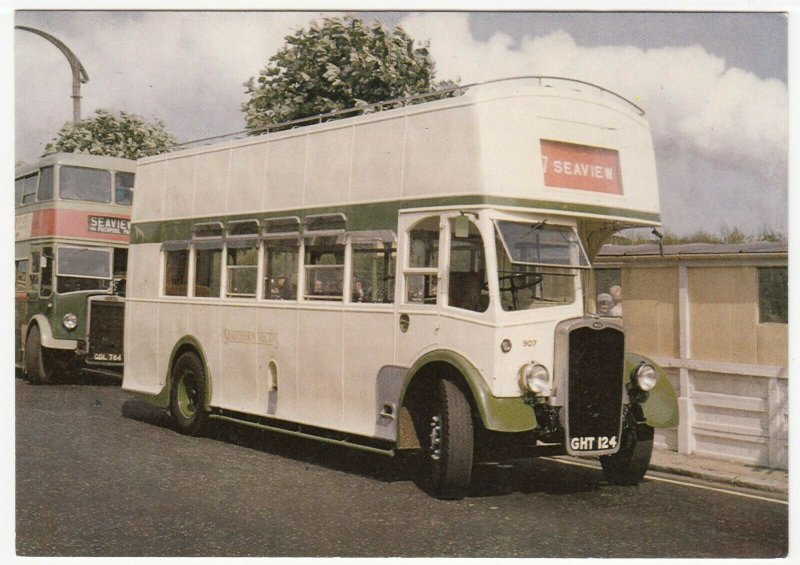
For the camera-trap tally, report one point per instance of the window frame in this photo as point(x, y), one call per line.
point(110, 174)
point(409, 271)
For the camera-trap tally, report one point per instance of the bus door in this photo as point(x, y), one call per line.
point(418, 313)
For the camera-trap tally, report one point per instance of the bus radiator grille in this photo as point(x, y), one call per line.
point(106, 331)
point(595, 389)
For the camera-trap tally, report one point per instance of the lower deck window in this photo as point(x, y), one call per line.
point(242, 266)
point(208, 272)
point(373, 273)
point(280, 273)
point(177, 272)
point(324, 265)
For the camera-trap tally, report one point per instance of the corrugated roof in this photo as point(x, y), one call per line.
point(614, 250)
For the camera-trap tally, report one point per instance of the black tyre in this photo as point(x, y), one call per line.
point(446, 436)
point(38, 361)
point(628, 466)
point(188, 394)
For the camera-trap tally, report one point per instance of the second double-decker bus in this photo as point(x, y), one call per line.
point(415, 280)
point(71, 254)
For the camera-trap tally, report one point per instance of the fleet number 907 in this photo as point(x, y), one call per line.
point(593, 443)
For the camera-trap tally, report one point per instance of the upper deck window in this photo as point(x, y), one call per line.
point(26, 187)
point(80, 183)
point(45, 184)
point(123, 188)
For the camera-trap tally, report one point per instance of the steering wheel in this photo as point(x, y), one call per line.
point(527, 280)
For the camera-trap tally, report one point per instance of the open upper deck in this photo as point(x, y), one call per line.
point(544, 144)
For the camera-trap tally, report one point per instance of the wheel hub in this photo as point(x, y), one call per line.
point(436, 438)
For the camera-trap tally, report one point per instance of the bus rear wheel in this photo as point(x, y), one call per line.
point(38, 360)
point(188, 393)
point(446, 435)
point(628, 466)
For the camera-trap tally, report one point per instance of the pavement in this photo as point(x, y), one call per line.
point(720, 471)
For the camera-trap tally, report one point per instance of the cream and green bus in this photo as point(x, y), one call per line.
point(414, 279)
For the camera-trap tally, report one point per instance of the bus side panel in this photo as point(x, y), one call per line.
point(320, 378)
point(286, 160)
point(328, 167)
point(368, 339)
point(204, 323)
point(474, 342)
point(443, 146)
point(144, 268)
point(248, 180)
point(241, 383)
point(179, 187)
point(150, 186)
point(211, 182)
point(173, 324)
point(278, 344)
point(142, 348)
point(381, 168)
point(420, 337)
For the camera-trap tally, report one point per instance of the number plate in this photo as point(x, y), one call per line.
point(107, 357)
point(593, 443)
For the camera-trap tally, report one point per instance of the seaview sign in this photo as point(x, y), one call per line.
point(582, 167)
point(107, 224)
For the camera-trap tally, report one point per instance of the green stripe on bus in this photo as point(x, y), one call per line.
point(380, 215)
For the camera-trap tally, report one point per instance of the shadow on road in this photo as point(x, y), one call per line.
point(72, 377)
point(526, 476)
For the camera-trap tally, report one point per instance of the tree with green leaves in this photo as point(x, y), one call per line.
point(114, 134)
point(337, 64)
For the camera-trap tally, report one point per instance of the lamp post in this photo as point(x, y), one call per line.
point(79, 74)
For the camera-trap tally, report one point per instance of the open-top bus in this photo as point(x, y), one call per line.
point(412, 280)
point(71, 239)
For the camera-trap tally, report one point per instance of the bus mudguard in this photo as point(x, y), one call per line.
point(46, 332)
point(661, 407)
point(186, 343)
point(497, 414)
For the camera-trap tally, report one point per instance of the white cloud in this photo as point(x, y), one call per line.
point(692, 99)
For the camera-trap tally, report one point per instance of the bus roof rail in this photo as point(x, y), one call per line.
point(367, 108)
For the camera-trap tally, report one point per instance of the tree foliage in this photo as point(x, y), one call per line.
point(337, 64)
point(114, 134)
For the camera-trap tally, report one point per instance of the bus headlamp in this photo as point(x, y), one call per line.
point(644, 377)
point(535, 378)
point(70, 321)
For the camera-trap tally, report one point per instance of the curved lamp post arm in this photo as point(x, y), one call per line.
point(79, 74)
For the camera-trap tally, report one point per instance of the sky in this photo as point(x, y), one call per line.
point(713, 85)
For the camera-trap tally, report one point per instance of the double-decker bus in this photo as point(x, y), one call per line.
point(415, 280)
point(71, 253)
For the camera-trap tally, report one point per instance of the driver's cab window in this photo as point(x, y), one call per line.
point(421, 270)
point(468, 286)
point(537, 264)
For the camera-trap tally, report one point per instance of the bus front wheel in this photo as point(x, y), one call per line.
point(629, 465)
point(188, 393)
point(38, 361)
point(446, 437)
